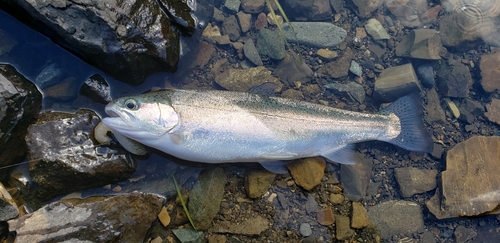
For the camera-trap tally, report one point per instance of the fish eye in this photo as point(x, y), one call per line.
point(131, 104)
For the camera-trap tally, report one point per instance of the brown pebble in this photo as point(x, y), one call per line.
point(325, 217)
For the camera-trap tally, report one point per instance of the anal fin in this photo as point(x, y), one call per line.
point(343, 155)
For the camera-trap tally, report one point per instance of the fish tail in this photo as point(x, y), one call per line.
point(413, 135)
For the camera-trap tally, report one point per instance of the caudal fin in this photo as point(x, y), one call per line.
point(413, 135)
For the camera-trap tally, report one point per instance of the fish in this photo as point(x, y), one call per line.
point(216, 126)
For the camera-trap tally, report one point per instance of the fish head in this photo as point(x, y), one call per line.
point(141, 118)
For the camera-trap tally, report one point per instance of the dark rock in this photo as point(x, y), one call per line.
point(50, 75)
point(338, 68)
point(364, 8)
point(257, 182)
point(253, 6)
point(270, 43)
point(127, 39)
point(434, 111)
point(352, 91)
point(8, 207)
point(453, 79)
point(463, 234)
point(97, 89)
point(292, 68)
point(460, 32)
point(490, 70)
point(122, 218)
point(65, 90)
point(20, 102)
point(396, 217)
point(337, 5)
point(437, 151)
point(413, 180)
point(395, 82)
point(469, 185)
point(469, 110)
point(65, 157)
point(421, 44)
point(231, 27)
point(426, 74)
point(355, 178)
point(251, 53)
point(308, 9)
point(206, 196)
point(188, 235)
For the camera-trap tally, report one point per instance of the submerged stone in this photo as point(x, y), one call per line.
point(67, 158)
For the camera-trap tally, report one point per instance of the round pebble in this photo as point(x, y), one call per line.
point(305, 229)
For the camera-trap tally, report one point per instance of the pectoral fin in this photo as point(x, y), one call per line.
point(277, 167)
point(343, 155)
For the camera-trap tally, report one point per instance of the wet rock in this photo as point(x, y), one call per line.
point(206, 196)
point(364, 8)
point(65, 157)
point(20, 102)
point(452, 107)
point(490, 70)
point(421, 44)
point(271, 44)
point(395, 82)
point(343, 228)
point(356, 69)
point(305, 229)
point(292, 94)
point(308, 9)
point(311, 205)
point(245, 21)
point(65, 90)
point(122, 218)
point(469, 185)
point(460, 32)
point(325, 216)
point(230, 27)
point(338, 68)
point(232, 6)
point(292, 68)
point(396, 217)
point(453, 79)
point(412, 181)
point(8, 207)
point(253, 6)
point(307, 172)
point(434, 112)
point(407, 12)
point(430, 15)
point(493, 111)
point(470, 109)
point(251, 53)
point(359, 217)
point(251, 226)
point(355, 178)
point(164, 217)
point(437, 151)
point(137, 43)
point(244, 79)
point(336, 198)
point(257, 182)
point(188, 235)
point(315, 34)
point(426, 74)
point(97, 89)
point(327, 54)
point(463, 234)
point(376, 30)
point(50, 75)
point(261, 21)
point(352, 91)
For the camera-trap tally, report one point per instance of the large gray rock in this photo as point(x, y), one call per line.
point(453, 79)
point(65, 157)
point(315, 34)
point(127, 39)
point(206, 196)
point(396, 217)
point(20, 102)
point(123, 218)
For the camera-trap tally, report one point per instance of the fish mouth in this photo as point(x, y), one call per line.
point(118, 121)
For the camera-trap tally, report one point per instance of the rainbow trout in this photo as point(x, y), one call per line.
point(214, 126)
